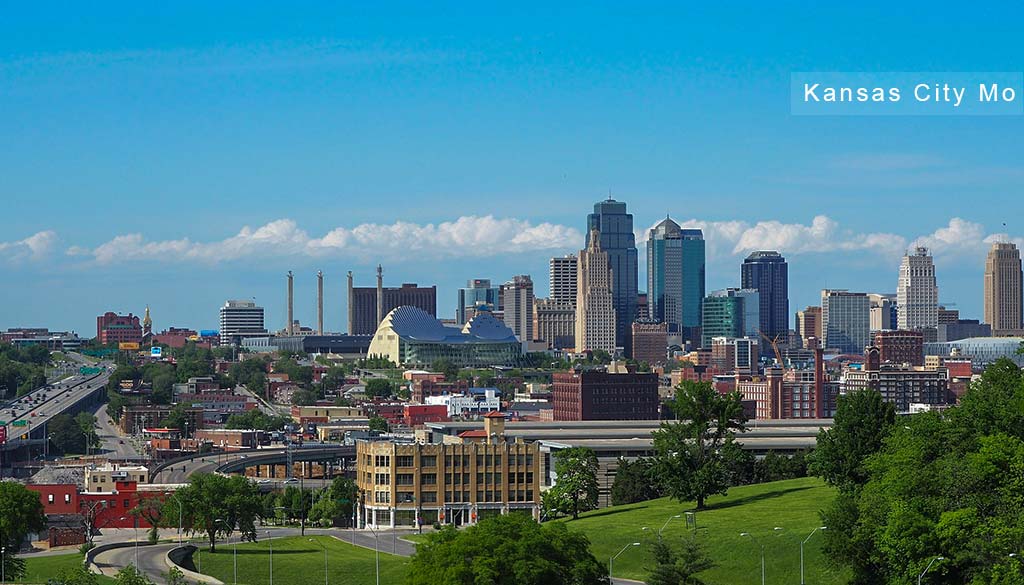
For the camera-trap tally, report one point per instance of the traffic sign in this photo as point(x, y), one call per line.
point(156, 351)
point(19, 423)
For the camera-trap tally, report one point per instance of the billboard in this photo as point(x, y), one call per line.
point(126, 345)
point(156, 352)
point(3, 435)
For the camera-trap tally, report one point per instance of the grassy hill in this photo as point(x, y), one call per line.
point(792, 505)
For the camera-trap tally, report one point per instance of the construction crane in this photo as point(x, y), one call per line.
point(774, 342)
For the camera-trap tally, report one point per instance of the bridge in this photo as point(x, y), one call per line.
point(271, 465)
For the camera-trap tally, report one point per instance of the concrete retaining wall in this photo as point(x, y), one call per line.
point(177, 555)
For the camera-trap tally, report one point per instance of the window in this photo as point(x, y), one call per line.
point(405, 498)
point(67, 498)
point(49, 498)
point(429, 497)
point(428, 478)
point(404, 461)
point(403, 479)
point(382, 497)
point(479, 478)
point(497, 460)
point(127, 504)
point(113, 503)
point(382, 479)
point(382, 461)
point(428, 461)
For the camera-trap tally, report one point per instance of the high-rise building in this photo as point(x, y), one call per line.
point(808, 325)
point(735, 354)
point(900, 347)
point(367, 306)
point(1003, 286)
point(615, 228)
point(883, 311)
point(917, 294)
point(554, 322)
point(675, 276)
point(478, 294)
point(845, 320)
point(768, 273)
point(650, 341)
point(724, 314)
point(597, 395)
point(240, 319)
point(595, 305)
point(517, 295)
point(114, 328)
point(563, 271)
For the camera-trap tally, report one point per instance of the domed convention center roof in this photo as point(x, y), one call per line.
point(415, 323)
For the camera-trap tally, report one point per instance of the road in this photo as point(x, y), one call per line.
point(151, 557)
point(112, 442)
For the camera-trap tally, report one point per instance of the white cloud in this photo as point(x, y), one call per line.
point(35, 247)
point(467, 236)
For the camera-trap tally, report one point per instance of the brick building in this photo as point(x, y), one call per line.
point(900, 347)
point(601, 395)
point(114, 328)
point(650, 342)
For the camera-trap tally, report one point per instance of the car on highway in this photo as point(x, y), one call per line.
point(290, 480)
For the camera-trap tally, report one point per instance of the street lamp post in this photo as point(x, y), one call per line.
point(376, 551)
point(611, 561)
point(802, 582)
point(270, 541)
point(180, 508)
point(234, 546)
point(321, 545)
point(670, 518)
point(930, 563)
point(758, 542)
point(3, 566)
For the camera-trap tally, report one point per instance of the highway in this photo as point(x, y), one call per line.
point(112, 443)
point(39, 406)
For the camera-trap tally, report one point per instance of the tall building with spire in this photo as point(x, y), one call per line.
point(675, 277)
point(917, 294)
point(615, 228)
point(147, 322)
point(767, 272)
point(1003, 289)
point(595, 305)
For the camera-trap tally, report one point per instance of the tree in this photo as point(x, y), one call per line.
point(66, 435)
point(131, 576)
point(576, 480)
point(86, 421)
point(256, 419)
point(77, 575)
point(336, 502)
point(678, 565)
point(635, 481)
point(303, 397)
point(379, 388)
point(379, 423)
point(177, 418)
point(510, 548)
point(695, 452)
point(209, 497)
point(163, 388)
point(22, 514)
point(151, 508)
point(862, 421)
point(447, 367)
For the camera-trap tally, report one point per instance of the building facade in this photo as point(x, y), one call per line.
point(768, 273)
point(900, 385)
point(114, 328)
point(845, 320)
point(675, 276)
point(517, 296)
point(596, 319)
point(614, 226)
point(808, 327)
point(1003, 289)
point(600, 395)
point(240, 319)
point(411, 484)
point(900, 347)
point(367, 306)
point(917, 294)
point(730, 312)
point(883, 312)
point(554, 322)
point(562, 274)
point(411, 337)
point(650, 341)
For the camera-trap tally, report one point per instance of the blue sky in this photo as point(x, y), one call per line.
point(182, 155)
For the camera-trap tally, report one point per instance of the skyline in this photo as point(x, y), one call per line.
point(133, 135)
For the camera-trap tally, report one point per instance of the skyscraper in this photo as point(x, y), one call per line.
point(675, 276)
point(917, 295)
point(808, 325)
point(845, 320)
point(478, 293)
point(562, 275)
point(730, 312)
point(367, 306)
point(595, 306)
point(517, 295)
point(768, 272)
point(615, 227)
point(1003, 288)
point(240, 319)
point(883, 311)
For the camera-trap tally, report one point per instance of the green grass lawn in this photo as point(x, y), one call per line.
point(300, 562)
point(40, 569)
point(758, 509)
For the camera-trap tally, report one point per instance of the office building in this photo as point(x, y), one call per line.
point(898, 384)
point(735, 354)
point(1003, 288)
point(595, 304)
point(650, 341)
point(562, 275)
point(981, 350)
point(917, 294)
point(845, 320)
point(883, 311)
point(675, 276)
point(768, 273)
point(479, 475)
point(478, 295)
point(614, 226)
point(900, 347)
point(808, 327)
point(732, 312)
point(367, 305)
point(601, 395)
point(962, 329)
point(240, 319)
point(409, 336)
point(554, 323)
point(517, 299)
point(114, 328)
